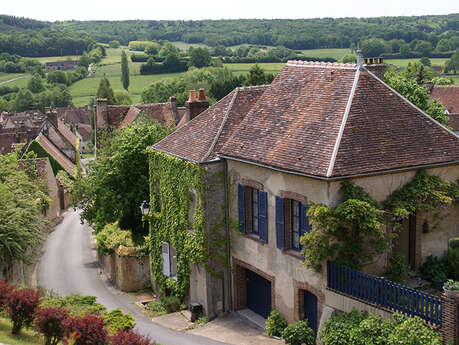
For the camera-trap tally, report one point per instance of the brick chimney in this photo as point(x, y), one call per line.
point(375, 66)
point(173, 103)
point(51, 115)
point(194, 106)
point(101, 118)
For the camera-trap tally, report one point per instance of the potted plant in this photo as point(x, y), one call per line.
point(451, 288)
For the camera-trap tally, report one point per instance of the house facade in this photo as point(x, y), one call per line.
point(285, 146)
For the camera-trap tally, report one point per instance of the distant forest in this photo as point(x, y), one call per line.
point(32, 38)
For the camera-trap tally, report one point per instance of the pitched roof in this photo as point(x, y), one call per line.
point(326, 120)
point(54, 152)
point(448, 95)
point(130, 117)
point(74, 114)
point(199, 139)
point(84, 130)
point(331, 120)
point(67, 133)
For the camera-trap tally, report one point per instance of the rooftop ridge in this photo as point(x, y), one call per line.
point(343, 123)
point(320, 64)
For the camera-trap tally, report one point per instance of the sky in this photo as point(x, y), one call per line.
point(57, 10)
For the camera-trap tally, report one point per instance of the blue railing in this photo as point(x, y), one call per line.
point(384, 293)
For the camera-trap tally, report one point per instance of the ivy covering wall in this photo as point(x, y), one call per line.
point(172, 181)
point(42, 153)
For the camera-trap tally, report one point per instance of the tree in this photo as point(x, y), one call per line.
point(124, 71)
point(122, 97)
point(129, 337)
point(151, 50)
point(114, 44)
point(89, 330)
point(24, 100)
point(84, 60)
point(404, 50)
point(444, 45)
point(349, 58)
point(21, 306)
point(424, 47)
point(168, 48)
point(256, 76)
point(374, 47)
point(51, 323)
point(35, 84)
point(199, 57)
point(117, 182)
point(425, 61)
point(57, 77)
point(105, 91)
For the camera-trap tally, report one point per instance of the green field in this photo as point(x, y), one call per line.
point(55, 58)
point(186, 46)
point(404, 62)
point(241, 68)
point(9, 76)
point(336, 53)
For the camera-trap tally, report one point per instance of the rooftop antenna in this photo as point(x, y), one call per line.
point(359, 57)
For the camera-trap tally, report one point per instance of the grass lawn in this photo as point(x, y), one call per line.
point(404, 62)
point(9, 76)
point(56, 58)
point(186, 46)
point(27, 337)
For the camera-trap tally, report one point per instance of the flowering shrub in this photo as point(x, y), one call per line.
point(87, 330)
point(129, 337)
point(51, 323)
point(21, 306)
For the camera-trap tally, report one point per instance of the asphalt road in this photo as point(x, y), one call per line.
point(69, 265)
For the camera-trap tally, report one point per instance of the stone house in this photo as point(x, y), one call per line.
point(61, 65)
point(284, 146)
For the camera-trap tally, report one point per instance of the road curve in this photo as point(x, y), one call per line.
point(69, 265)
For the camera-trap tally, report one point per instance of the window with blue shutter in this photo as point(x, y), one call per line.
point(241, 207)
point(263, 215)
point(280, 222)
point(296, 224)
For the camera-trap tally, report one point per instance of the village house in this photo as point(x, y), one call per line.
point(266, 153)
point(61, 65)
point(448, 95)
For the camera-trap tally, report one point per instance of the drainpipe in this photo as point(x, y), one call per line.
point(228, 238)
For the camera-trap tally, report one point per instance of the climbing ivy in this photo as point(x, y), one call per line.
point(352, 232)
point(172, 181)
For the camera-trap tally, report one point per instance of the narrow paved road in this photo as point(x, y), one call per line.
point(69, 265)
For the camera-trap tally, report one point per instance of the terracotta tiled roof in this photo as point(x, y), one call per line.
point(198, 139)
point(448, 95)
point(130, 117)
point(330, 120)
point(84, 130)
point(67, 133)
point(54, 152)
point(74, 114)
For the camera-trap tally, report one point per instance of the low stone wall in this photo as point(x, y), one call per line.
point(128, 273)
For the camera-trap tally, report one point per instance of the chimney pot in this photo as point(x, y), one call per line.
point(201, 95)
point(192, 96)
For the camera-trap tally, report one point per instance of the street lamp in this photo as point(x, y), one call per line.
point(145, 208)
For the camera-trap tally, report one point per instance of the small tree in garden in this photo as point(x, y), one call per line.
point(51, 323)
point(5, 289)
point(21, 306)
point(129, 337)
point(298, 334)
point(87, 330)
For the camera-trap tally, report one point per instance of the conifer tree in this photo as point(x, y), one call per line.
point(105, 91)
point(124, 71)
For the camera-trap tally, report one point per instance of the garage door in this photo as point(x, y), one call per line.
point(258, 294)
point(310, 310)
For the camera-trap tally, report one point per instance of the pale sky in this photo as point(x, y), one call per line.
point(53, 10)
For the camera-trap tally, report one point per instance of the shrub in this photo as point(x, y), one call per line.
point(434, 269)
point(51, 323)
point(298, 334)
point(451, 285)
point(21, 306)
point(76, 304)
point(170, 303)
point(372, 330)
point(338, 329)
point(413, 331)
point(275, 324)
point(157, 308)
point(453, 263)
point(111, 237)
point(115, 320)
point(397, 267)
point(129, 337)
point(5, 289)
point(88, 330)
point(453, 243)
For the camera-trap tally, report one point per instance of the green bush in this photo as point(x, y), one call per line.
point(361, 329)
point(413, 331)
point(453, 243)
point(434, 269)
point(111, 237)
point(338, 329)
point(397, 267)
point(298, 334)
point(76, 304)
point(451, 285)
point(115, 320)
point(453, 263)
point(275, 324)
point(170, 303)
point(157, 308)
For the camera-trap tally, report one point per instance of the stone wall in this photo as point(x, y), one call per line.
point(127, 273)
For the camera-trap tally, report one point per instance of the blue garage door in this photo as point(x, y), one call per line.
point(258, 294)
point(310, 310)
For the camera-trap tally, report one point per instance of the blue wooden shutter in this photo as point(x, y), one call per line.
point(280, 222)
point(304, 220)
point(241, 207)
point(263, 215)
